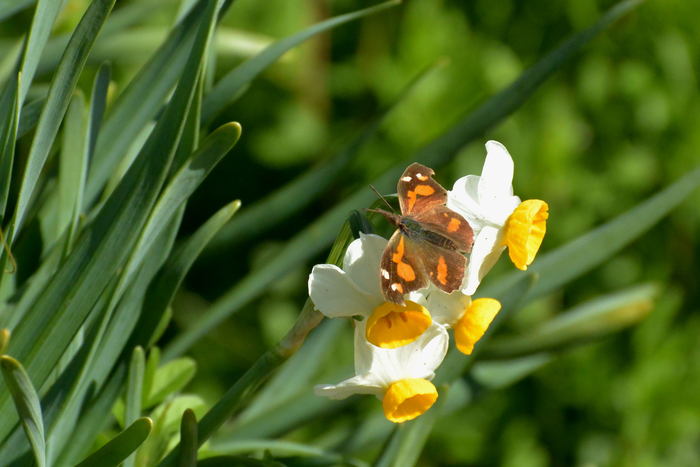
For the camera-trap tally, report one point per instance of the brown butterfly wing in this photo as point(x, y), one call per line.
point(418, 191)
point(447, 223)
point(401, 268)
point(444, 267)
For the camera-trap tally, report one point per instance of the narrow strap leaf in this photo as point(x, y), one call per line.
point(27, 404)
point(230, 85)
point(134, 393)
point(121, 446)
point(62, 86)
point(188, 440)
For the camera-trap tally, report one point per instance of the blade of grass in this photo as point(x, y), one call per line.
point(29, 116)
point(27, 405)
point(319, 234)
point(591, 249)
point(8, 134)
point(229, 86)
point(109, 342)
point(188, 440)
point(134, 394)
point(71, 170)
point(45, 15)
point(163, 289)
point(312, 454)
point(121, 446)
point(104, 245)
point(62, 87)
point(142, 99)
point(92, 418)
point(585, 322)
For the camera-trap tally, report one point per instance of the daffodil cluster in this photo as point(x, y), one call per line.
point(398, 348)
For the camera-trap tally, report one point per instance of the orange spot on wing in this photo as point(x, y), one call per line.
point(425, 190)
point(421, 190)
point(406, 272)
point(442, 271)
point(398, 254)
point(403, 269)
point(453, 225)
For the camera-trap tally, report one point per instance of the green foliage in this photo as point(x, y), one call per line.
point(120, 236)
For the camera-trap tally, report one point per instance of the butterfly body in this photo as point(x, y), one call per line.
point(430, 240)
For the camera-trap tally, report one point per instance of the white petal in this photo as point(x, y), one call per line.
point(446, 308)
point(487, 248)
point(349, 387)
point(497, 175)
point(362, 259)
point(334, 294)
point(418, 359)
point(464, 199)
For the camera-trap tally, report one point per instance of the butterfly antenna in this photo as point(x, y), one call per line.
point(10, 256)
point(391, 208)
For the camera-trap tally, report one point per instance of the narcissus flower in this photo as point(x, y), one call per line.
point(499, 219)
point(399, 377)
point(469, 318)
point(355, 290)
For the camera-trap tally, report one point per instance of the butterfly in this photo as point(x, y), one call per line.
point(430, 240)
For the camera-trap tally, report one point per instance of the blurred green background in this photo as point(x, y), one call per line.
point(614, 126)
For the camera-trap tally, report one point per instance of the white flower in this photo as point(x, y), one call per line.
point(499, 219)
point(400, 377)
point(355, 290)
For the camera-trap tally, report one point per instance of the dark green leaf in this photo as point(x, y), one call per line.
point(230, 85)
point(121, 446)
point(62, 87)
point(27, 405)
point(188, 440)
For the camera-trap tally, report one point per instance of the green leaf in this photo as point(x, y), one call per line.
point(280, 448)
point(61, 89)
point(29, 116)
point(593, 248)
point(230, 85)
point(585, 322)
point(27, 405)
point(45, 14)
point(72, 169)
point(8, 133)
point(503, 373)
point(121, 446)
point(92, 419)
point(242, 461)
point(134, 393)
point(105, 244)
point(150, 373)
point(163, 289)
point(140, 101)
point(320, 233)
point(170, 378)
point(188, 440)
